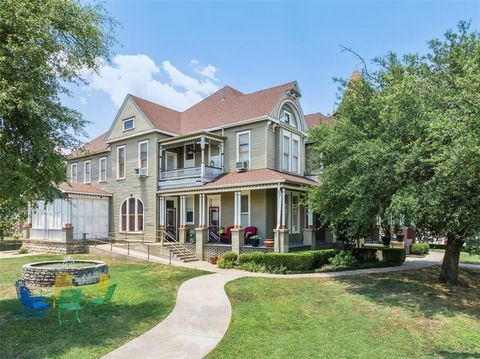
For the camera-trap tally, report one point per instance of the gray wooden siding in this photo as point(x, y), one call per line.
point(128, 110)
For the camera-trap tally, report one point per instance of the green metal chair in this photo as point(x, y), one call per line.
point(69, 299)
point(102, 299)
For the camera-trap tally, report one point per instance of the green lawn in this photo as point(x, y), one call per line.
point(145, 295)
point(464, 257)
point(397, 315)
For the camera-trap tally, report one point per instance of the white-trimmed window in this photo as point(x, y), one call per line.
point(286, 152)
point(189, 155)
point(121, 159)
point(243, 147)
point(295, 155)
point(102, 169)
point(87, 171)
point(190, 205)
point(143, 155)
point(245, 210)
point(131, 215)
point(129, 124)
point(73, 173)
point(287, 117)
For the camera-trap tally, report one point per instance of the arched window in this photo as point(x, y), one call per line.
point(131, 215)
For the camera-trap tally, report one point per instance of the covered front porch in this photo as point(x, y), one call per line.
point(215, 219)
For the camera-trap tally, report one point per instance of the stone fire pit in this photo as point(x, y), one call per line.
point(83, 272)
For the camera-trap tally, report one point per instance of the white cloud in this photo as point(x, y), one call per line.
point(138, 75)
point(208, 71)
point(83, 100)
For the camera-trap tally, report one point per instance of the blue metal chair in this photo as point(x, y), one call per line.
point(34, 306)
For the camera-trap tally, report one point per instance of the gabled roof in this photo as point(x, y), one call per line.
point(82, 188)
point(97, 145)
point(228, 106)
point(161, 117)
point(315, 119)
point(224, 107)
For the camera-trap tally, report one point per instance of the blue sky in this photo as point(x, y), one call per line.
point(175, 53)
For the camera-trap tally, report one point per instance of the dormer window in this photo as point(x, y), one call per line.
point(129, 124)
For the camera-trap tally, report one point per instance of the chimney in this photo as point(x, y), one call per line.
point(356, 75)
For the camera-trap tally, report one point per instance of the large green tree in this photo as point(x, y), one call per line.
point(405, 144)
point(44, 47)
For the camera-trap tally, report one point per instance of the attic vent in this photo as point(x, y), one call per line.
point(222, 94)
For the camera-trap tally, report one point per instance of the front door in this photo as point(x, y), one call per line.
point(171, 220)
point(213, 224)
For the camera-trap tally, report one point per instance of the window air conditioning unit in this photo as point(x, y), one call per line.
point(141, 172)
point(241, 166)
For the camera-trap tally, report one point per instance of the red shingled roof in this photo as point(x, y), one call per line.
point(160, 116)
point(264, 175)
point(315, 119)
point(82, 188)
point(226, 106)
point(97, 145)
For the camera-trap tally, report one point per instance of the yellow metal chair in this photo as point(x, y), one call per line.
point(62, 281)
point(103, 283)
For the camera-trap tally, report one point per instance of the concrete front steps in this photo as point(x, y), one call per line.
point(181, 252)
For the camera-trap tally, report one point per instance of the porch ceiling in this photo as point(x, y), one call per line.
point(191, 139)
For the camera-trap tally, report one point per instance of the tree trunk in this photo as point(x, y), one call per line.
point(449, 272)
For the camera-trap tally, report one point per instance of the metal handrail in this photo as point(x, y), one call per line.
point(177, 243)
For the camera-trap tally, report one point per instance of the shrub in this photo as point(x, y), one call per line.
point(222, 263)
point(419, 248)
point(255, 257)
point(23, 250)
point(394, 255)
point(343, 259)
point(300, 261)
point(365, 255)
point(322, 256)
point(278, 270)
point(230, 257)
point(253, 267)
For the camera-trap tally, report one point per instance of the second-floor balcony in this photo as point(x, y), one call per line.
point(190, 161)
point(207, 174)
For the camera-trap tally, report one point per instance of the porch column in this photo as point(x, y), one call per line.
point(222, 159)
point(202, 147)
point(201, 234)
point(281, 234)
point(182, 230)
point(160, 159)
point(309, 233)
point(201, 211)
point(238, 239)
point(162, 214)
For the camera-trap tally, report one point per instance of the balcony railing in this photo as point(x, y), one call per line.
point(192, 172)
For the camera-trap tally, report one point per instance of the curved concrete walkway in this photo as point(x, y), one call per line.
point(203, 311)
point(194, 327)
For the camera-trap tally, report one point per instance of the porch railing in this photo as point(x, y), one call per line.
point(192, 172)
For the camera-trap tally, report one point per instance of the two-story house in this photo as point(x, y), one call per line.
point(200, 177)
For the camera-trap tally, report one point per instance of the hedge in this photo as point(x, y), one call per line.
point(322, 256)
point(230, 257)
point(296, 261)
point(394, 255)
point(365, 255)
point(419, 248)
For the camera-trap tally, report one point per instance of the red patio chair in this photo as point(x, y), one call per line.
point(249, 231)
point(227, 236)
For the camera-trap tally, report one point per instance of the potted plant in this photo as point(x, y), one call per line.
point(213, 259)
point(255, 240)
point(191, 235)
point(268, 243)
point(386, 232)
